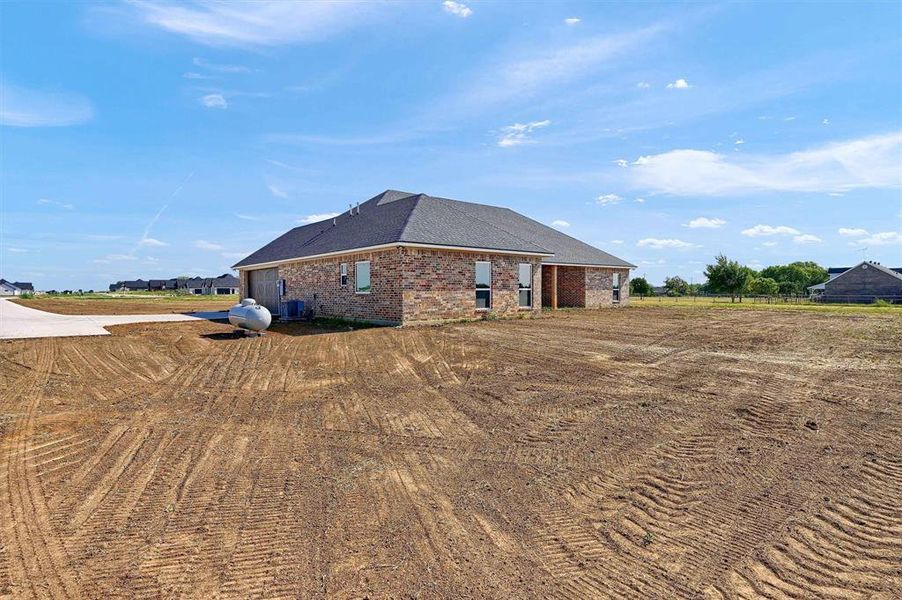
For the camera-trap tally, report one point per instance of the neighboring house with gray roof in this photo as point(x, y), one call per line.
point(864, 283)
point(411, 258)
point(14, 288)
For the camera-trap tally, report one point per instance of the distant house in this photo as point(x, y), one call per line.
point(222, 285)
point(864, 283)
point(406, 258)
point(14, 288)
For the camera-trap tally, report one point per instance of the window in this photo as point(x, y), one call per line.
point(525, 285)
point(362, 276)
point(343, 274)
point(483, 285)
point(616, 287)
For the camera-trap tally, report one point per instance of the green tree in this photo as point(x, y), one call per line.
point(728, 276)
point(796, 277)
point(763, 286)
point(639, 286)
point(676, 286)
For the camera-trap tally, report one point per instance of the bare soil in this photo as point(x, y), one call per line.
point(642, 453)
point(126, 306)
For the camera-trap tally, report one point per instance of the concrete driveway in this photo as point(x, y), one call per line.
point(17, 322)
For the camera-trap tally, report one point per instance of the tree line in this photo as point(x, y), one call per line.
point(729, 277)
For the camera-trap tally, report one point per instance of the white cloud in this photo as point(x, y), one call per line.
point(193, 75)
point(739, 142)
point(659, 244)
point(870, 162)
point(317, 218)
point(884, 238)
point(826, 122)
point(457, 9)
point(513, 135)
point(22, 107)
point(235, 254)
point(807, 238)
point(606, 199)
point(769, 244)
point(852, 232)
point(221, 68)
point(761, 230)
point(214, 101)
point(249, 217)
point(705, 223)
point(56, 203)
point(118, 257)
point(679, 84)
point(149, 241)
point(572, 20)
point(560, 223)
point(17, 250)
point(622, 163)
point(616, 242)
point(643, 85)
point(262, 23)
point(640, 200)
point(275, 191)
point(205, 245)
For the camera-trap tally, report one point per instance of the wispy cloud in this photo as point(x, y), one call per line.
point(262, 23)
point(457, 9)
point(560, 223)
point(249, 217)
point(205, 245)
point(852, 232)
point(153, 242)
point(518, 133)
point(767, 230)
point(705, 223)
point(884, 238)
point(275, 191)
point(221, 68)
point(56, 203)
point(317, 218)
point(807, 238)
point(235, 255)
point(214, 101)
point(23, 107)
point(572, 20)
point(608, 199)
point(16, 250)
point(664, 244)
point(869, 162)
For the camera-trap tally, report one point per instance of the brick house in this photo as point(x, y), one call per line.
point(403, 258)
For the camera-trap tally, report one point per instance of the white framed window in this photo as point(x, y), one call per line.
point(343, 274)
point(524, 285)
point(362, 277)
point(615, 285)
point(483, 285)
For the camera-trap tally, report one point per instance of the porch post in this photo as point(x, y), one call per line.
point(554, 287)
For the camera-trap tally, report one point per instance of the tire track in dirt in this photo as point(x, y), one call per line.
point(38, 561)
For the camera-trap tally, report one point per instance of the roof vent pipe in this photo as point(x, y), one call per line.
point(334, 220)
point(358, 208)
point(350, 208)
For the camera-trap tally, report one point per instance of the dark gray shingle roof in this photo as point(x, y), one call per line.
point(397, 217)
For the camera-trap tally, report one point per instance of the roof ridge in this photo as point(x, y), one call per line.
point(475, 218)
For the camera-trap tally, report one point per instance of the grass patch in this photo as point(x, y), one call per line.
point(703, 302)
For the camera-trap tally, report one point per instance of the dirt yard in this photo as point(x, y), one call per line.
point(128, 306)
point(642, 453)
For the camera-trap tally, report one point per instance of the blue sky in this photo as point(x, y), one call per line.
point(156, 139)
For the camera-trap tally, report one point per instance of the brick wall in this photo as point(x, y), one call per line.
point(571, 287)
point(440, 285)
point(243, 291)
point(599, 286)
point(317, 283)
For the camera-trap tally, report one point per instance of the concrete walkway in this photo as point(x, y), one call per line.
point(17, 322)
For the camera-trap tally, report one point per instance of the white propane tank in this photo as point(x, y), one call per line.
point(250, 315)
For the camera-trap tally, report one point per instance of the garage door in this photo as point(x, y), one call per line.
point(264, 288)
